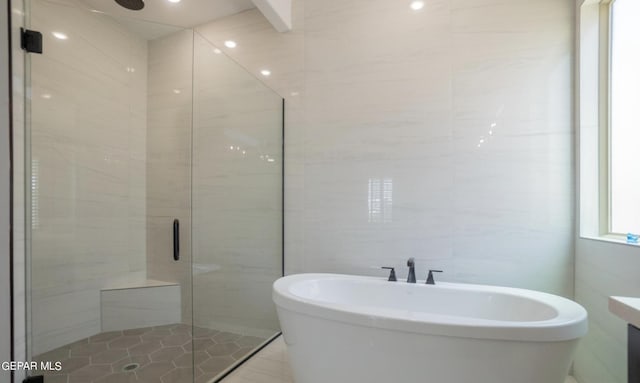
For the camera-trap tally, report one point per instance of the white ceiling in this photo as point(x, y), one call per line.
point(186, 13)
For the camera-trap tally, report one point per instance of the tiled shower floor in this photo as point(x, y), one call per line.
point(161, 354)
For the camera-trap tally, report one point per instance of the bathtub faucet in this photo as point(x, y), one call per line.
point(430, 280)
point(411, 278)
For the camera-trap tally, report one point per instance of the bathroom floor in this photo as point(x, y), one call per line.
point(271, 365)
point(164, 355)
point(161, 354)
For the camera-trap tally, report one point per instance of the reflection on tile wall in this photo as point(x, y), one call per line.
point(237, 183)
point(465, 105)
point(88, 132)
point(169, 160)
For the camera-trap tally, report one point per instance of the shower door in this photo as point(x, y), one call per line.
point(108, 170)
point(154, 168)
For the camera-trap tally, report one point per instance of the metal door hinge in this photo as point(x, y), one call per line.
point(31, 41)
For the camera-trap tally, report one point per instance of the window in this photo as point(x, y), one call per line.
point(609, 118)
point(624, 117)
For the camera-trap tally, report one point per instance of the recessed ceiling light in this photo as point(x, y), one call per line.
point(177, 91)
point(230, 44)
point(174, 1)
point(46, 96)
point(59, 35)
point(417, 5)
point(265, 72)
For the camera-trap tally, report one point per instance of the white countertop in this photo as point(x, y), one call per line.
point(626, 308)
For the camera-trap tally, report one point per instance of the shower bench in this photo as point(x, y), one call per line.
point(137, 304)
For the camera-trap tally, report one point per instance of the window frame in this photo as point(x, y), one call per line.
point(594, 27)
point(604, 108)
point(605, 126)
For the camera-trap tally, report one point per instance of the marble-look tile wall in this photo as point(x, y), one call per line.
point(169, 160)
point(88, 154)
point(443, 134)
point(604, 269)
point(237, 195)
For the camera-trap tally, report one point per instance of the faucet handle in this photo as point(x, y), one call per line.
point(392, 274)
point(430, 280)
point(411, 262)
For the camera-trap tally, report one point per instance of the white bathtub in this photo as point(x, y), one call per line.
point(350, 329)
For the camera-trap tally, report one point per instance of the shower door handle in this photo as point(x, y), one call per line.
point(176, 239)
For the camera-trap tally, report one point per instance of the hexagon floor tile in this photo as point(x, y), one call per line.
point(161, 354)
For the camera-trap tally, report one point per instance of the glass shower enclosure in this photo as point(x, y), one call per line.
point(154, 201)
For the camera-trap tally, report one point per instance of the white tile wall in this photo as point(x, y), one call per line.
point(463, 111)
point(88, 145)
point(604, 269)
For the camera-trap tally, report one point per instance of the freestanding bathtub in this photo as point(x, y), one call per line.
point(350, 329)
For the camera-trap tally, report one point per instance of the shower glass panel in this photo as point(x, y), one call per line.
point(237, 206)
point(108, 154)
point(154, 205)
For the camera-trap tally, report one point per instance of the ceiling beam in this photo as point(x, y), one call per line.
point(278, 12)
